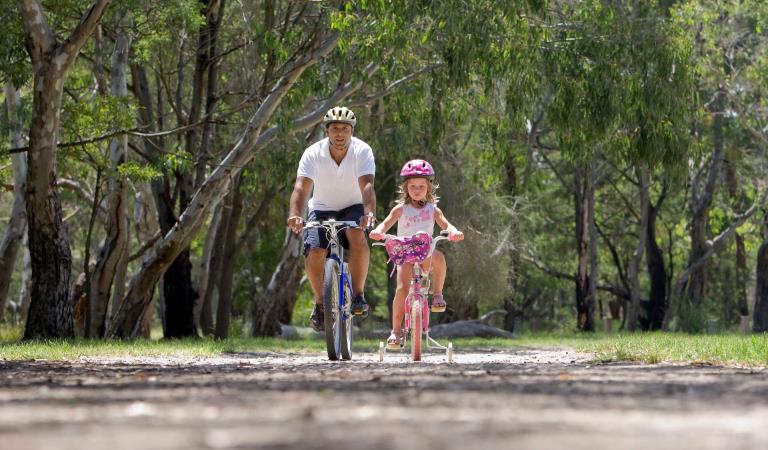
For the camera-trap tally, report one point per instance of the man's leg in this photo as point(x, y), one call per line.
point(314, 266)
point(359, 257)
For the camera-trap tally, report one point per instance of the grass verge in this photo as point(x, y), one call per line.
point(721, 349)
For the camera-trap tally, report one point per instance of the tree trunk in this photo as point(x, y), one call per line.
point(760, 316)
point(593, 252)
point(282, 288)
point(582, 197)
point(635, 261)
point(657, 303)
point(14, 234)
point(213, 255)
point(24, 298)
point(225, 278)
point(742, 278)
point(713, 247)
point(50, 313)
point(115, 246)
point(701, 204)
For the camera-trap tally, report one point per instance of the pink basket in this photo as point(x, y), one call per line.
point(409, 249)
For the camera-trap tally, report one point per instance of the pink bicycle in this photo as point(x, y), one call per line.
point(415, 249)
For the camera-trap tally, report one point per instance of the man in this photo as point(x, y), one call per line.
point(341, 170)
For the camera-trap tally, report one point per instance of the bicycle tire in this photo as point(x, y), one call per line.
point(416, 321)
point(347, 318)
point(331, 306)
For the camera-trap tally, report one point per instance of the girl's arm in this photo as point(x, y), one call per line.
point(378, 232)
point(453, 233)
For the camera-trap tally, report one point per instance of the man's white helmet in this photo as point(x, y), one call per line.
point(340, 114)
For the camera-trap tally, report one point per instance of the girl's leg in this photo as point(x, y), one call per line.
point(438, 272)
point(438, 280)
point(398, 304)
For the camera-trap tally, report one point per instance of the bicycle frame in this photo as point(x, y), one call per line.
point(336, 252)
point(417, 298)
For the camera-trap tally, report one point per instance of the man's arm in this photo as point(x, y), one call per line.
point(369, 200)
point(301, 190)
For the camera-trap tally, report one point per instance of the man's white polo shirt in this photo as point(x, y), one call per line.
point(336, 185)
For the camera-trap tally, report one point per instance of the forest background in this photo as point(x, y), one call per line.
point(605, 159)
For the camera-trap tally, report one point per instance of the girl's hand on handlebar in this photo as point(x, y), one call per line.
point(455, 235)
point(377, 235)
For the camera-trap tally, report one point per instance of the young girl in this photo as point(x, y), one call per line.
point(416, 211)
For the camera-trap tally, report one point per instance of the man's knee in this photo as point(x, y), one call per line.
point(356, 239)
point(315, 256)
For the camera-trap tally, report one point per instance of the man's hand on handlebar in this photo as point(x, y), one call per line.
point(367, 221)
point(295, 223)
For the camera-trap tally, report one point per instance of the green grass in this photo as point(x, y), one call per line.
point(730, 349)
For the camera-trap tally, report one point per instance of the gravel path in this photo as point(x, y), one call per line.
point(486, 399)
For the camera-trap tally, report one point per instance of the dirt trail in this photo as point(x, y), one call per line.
point(495, 399)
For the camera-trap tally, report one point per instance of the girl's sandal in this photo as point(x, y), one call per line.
point(394, 342)
point(438, 304)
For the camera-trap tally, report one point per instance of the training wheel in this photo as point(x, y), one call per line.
point(449, 352)
point(382, 349)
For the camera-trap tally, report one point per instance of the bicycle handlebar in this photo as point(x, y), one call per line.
point(330, 223)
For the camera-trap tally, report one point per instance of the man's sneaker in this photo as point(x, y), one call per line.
point(359, 306)
point(317, 319)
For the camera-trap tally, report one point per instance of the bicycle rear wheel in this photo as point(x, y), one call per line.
point(333, 328)
point(346, 317)
point(416, 328)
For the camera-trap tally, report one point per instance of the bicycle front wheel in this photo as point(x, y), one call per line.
point(333, 326)
point(346, 317)
point(416, 312)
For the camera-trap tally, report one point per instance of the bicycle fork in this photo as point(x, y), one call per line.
point(417, 298)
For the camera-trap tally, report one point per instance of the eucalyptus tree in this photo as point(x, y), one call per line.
point(619, 83)
point(313, 41)
point(730, 50)
point(50, 313)
point(17, 223)
point(111, 264)
point(13, 74)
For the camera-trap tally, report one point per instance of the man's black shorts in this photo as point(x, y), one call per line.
point(316, 237)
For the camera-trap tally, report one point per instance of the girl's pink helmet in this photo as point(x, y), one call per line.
point(417, 168)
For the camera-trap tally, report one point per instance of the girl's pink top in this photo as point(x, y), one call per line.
point(414, 220)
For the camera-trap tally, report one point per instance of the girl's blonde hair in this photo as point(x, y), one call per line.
point(404, 198)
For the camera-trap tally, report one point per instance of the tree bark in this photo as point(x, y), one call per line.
point(213, 255)
point(17, 224)
point(225, 278)
point(760, 316)
point(635, 261)
point(701, 203)
point(712, 248)
point(582, 196)
point(657, 302)
point(282, 288)
point(112, 255)
point(50, 313)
